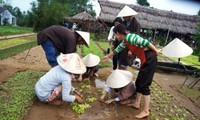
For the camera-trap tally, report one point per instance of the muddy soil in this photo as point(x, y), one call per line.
point(39, 111)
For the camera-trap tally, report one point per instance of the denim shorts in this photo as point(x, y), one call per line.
point(50, 52)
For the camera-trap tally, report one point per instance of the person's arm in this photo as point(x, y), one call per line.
point(152, 47)
point(141, 42)
point(66, 88)
point(105, 58)
point(119, 48)
point(135, 39)
point(111, 34)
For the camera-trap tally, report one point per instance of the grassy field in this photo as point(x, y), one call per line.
point(10, 30)
point(15, 41)
point(94, 49)
point(189, 60)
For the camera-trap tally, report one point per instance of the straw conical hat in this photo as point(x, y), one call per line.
point(119, 78)
point(177, 48)
point(127, 11)
point(85, 36)
point(71, 63)
point(91, 60)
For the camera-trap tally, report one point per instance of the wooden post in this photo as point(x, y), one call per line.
point(167, 35)
point(154, 34)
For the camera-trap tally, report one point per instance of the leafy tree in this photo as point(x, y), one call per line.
point(51, 12)
point(143, 2)
point(4, 2)
point(196, 37)
point(90, 10)
point(198, 13)
point(5, 21)
point(8, 7)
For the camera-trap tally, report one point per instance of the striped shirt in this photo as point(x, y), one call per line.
point(132, 39)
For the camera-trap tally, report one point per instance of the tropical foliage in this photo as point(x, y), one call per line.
point(45, 13)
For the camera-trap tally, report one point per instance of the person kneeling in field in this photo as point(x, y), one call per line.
point(57, 82)
point(121, 82)
point(91, 61)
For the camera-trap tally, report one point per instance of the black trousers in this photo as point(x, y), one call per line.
point(146, 73)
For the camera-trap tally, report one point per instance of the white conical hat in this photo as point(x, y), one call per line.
point(119, 78)
point(71, 63)
point(127, 11)
point(177, 48)
point(85, 36)
point(91, 60)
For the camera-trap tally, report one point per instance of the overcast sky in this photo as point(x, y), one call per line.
point(190, 7)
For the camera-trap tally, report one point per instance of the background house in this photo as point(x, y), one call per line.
point(85, 22)
point(6, 17)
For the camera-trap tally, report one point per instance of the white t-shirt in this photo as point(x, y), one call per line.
point(55, 77)
point(111, 34)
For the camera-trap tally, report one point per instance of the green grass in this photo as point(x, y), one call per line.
point(17, 95)
point(6, 43)
point(11, 51)
point(192, 60)
point(104, 45)
point(12, 30)
point(94, 50)
point(15, 41)
point(193, 94)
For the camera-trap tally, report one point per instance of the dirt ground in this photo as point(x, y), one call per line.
point(39, 111)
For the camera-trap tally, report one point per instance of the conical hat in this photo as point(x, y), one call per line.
point(127, 11)
point(91, 60)
point(72, 63)
point(85, 36)
point(119, 78)
point(177, 48)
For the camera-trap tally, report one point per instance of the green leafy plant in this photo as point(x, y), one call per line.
point(8, 52)
point(17, 94)
point(91, 99)
point(79, 108)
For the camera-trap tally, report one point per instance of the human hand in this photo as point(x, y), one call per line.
point(101, 100)
point(157, 52)
point(112, 47)
point(104, 59)
point(109, 101)
point(129, 53)
point(78, 99)
point(111, 39)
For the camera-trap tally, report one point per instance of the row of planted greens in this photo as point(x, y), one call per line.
point(12, 47)
point(17, 95)
point(13, 30)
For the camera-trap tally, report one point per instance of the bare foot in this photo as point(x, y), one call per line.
point(124, 102)
point(96, 75)
point(73, 78)
point(142, 114)
point(79, 79)
point(134, 105)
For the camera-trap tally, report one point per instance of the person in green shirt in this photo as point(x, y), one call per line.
point(147, 53)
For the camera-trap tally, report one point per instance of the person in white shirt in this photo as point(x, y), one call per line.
point(57, 82)
point(113, 43)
